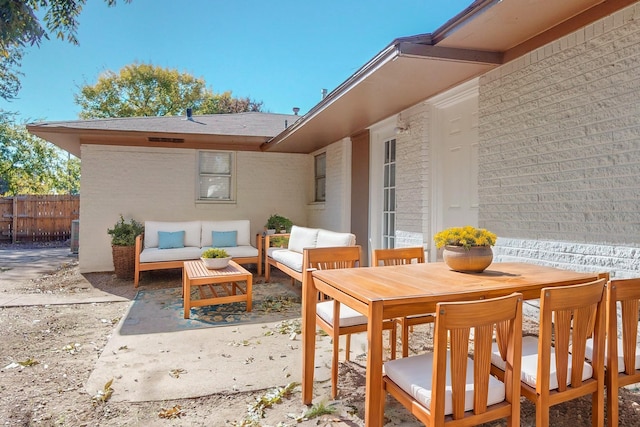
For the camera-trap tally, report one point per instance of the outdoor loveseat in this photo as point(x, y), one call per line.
point(169, 244)
point(289, 259)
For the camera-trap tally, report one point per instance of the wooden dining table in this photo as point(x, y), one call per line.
point(403, 290)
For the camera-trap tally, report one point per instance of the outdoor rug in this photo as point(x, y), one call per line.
point(162, 310)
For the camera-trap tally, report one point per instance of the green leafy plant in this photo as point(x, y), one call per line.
point(124, 233)
point(279, 223)
point(467, 237)
point(214, 253)
point(279, 242)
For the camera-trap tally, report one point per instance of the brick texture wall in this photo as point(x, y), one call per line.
point(413, 178)
point(160, 184)
point(560, 150)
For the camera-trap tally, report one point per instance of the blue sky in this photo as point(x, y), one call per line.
point(282, 53)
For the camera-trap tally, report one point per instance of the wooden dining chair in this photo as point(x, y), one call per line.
point(554, 368)
point(332, 317)
point(400, 256)
point(447, 385)
point(623, 354)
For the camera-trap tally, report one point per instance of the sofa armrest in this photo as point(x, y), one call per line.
point(267, 240)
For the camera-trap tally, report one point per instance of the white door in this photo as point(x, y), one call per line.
point(455, 160)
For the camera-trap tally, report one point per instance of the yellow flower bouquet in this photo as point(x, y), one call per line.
point(466, 237)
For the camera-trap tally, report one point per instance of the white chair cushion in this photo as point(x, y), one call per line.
point(191, 232)
point(289, 258)
point(530, 364)
point(176, 254)
point(414, 375)
point(589, 354)
point(328, 239)
point(302, 237)
point(348, 316)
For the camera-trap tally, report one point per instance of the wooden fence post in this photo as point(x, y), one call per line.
point(14, 225)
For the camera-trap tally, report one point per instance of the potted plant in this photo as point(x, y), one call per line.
point(215, 258)
point(279, 224)
point(466, 249)
point(123, 241)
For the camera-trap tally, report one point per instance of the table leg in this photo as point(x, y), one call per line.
point(186, 294)
point(249, 290)
point(374, 396)
point(309, 300)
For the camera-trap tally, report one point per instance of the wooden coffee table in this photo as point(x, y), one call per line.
point(215, 286)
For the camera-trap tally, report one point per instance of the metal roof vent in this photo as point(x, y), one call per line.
point(189, 114)
point(296, 110)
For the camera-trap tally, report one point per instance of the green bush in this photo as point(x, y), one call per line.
point(124, 233)
point(214, 253)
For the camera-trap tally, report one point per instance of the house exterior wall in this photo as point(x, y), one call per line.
point(413, 178)
point(160, 184)
point(560, 150)
point(334, 213)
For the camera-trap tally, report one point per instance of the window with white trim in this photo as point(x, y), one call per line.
point(320, 177)
point(216, 176)
point(389, 189)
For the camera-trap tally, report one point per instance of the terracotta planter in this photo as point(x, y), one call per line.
point(473, 260)
point(124, 260)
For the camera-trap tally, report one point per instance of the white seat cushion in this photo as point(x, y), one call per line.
point(348, 316)
point(530, 364)
point(589, 354)
point(289, 258)
point(176, 254)
point(414, 375)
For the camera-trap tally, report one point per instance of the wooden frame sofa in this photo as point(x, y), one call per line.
point(289, 260)
point(161, 245)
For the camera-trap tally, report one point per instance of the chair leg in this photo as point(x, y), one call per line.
point(348, 347)
point(393, 340)
point(334, 365)
point(405, 338)
point(612, 405)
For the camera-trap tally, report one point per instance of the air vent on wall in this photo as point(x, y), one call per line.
point(173, 140)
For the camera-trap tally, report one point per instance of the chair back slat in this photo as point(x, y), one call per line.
point(397, 256)
point(629, 312)
point(562, 329)
point(581, 332)
point(459, 354)
point(482, 337)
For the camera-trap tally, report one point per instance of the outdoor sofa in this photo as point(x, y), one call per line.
point(169, 244)
point(289, 259)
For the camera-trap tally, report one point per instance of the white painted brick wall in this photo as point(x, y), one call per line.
point(335, 213)
point(560, 150)
point(160, 184)
point(413, 178)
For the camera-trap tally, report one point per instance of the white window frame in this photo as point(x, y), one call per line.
point(231, 175)
point(316, 177)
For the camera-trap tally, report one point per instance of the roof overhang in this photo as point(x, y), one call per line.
point(484, 36)
point(71, 139)
point(406, 72)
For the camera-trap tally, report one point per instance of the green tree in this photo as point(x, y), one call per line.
point(147, 90)
point(30, 165)
point(20, 27)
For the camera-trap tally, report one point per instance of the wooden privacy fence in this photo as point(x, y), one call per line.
point(37, 218)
